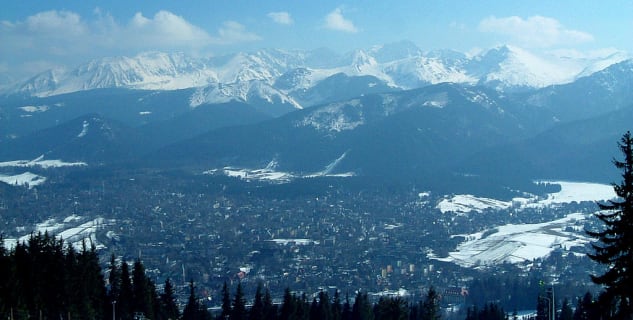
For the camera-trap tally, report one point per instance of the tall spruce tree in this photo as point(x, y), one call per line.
point(614, 245)
point(168, 300)
point(124, 302)
point(226, 302)
point(362, 308)
point(566, 312)
point(191, 309)
point(257, 310)
point(114, 281)
point(92, 280)
point(337, 308)
point(288, 307)
point(5, 282)
point(346, 314)
point(325, 309)
point(270, 310)
point(142, 291)
point(239, 304)
point(430, 307)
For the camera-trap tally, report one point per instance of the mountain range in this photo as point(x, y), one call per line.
point(391, 112)
point(284, 75)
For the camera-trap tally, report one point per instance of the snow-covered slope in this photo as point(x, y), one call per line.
point(400, 65)
point(245, 91)
point(145, 71)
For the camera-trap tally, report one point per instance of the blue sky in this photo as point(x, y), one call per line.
point(36, 35)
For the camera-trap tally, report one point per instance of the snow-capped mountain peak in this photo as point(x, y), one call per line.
point(284, 76)
point(155, 70)
point(510, 66)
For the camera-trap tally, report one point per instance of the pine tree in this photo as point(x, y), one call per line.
point(93, 282)
point(288, 307)
point(239, 304)
point(325, 310)
point(270, 310)
point(114, 280)
point(226, 302)
point(124, 302)
point(346, 314)
point(430, 307)
point(168, 300)
point(336, 306)
point(303, 307)
point(142, 291)
point(391, 309)
point(314, 310)
point(614, 245)
point(257, 311)
point(362, 310)
point(191, 309)
point(566, 313)
point(5, 281)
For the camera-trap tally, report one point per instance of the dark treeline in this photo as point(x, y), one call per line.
point(321, 307)
point(45, 279)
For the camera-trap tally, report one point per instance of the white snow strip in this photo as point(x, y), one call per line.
point(33, 109)
point(578, 192)
point(464, 203)
point(570, 192)
point(84, 130)
point(24, 179)
point(40, 162)
point(73, 234)
point(271, 174)
point(299, 242)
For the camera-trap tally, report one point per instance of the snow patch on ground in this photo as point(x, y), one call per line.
point(299, 242)
point(24, 179)
point(463, 203)
point(73, 230)
point(334, 118)
point(271, 174)
point(570, 192)
point(519, 243)
point(34, 109)
point(84, 130)
point(576, 192)
point(40, 162)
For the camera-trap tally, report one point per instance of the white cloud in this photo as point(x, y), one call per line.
point(281, 17)
point(165, 29)
point(55, 23)
point(534, 32)
point(233, 32)
point(53, 36)
point(335, 21)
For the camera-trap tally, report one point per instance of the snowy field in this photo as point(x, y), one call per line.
point(514, 243)
point(40, 162)
point(298, 242)
point(271, 174)
point(522, 243)
point(30, 179)
point(73, 229)
point(570, 192)
point(24, 179)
